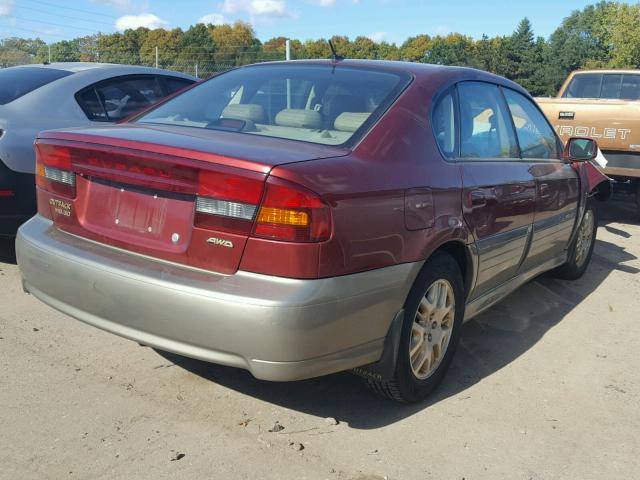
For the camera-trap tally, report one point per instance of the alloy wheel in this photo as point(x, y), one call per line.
point(431, 329)
point(585, 237)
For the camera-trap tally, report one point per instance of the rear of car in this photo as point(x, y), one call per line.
point(187, 229)
point(17, 199)
point(42, 97)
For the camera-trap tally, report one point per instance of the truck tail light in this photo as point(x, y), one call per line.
point(292, 213)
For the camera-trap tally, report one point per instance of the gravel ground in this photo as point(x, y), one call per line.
point(545, 385)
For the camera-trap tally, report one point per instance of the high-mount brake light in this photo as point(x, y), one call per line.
point(291, 213)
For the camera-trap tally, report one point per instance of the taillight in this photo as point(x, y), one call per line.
point(292, 213)
point(53, 170)
point(227, 202)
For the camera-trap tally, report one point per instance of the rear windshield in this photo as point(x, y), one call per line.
point(16, 82)
point(622, 86)
point(331, 105)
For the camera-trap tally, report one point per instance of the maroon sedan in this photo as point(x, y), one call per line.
point(303, 218)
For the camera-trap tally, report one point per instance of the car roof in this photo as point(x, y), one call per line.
point(116, 69)
point(607, 71)
point(441, 74)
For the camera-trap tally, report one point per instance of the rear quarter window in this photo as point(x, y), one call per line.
point(17, 82)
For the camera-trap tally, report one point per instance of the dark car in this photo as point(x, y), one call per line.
point(302, 218)
point(58, 95)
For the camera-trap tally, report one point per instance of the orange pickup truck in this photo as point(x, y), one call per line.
point(605, 105)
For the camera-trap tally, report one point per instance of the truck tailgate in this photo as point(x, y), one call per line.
point(615, 124)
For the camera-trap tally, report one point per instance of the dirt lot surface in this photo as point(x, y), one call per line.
point(544, 386)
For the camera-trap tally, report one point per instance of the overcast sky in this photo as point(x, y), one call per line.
point(390, 20)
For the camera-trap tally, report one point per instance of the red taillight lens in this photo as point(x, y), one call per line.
point(53, 170)
point(292, 213)
point(228, 201)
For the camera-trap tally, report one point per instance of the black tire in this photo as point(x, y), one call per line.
point(637, 185)
point(404, 386)
point(577, 264)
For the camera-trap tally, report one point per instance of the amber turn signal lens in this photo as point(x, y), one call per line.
point(281, 216)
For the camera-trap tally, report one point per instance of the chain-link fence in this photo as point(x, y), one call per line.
point(199, 63)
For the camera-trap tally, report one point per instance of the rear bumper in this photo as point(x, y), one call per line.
point(277, 328)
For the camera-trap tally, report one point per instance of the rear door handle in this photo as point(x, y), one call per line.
point(478, 198)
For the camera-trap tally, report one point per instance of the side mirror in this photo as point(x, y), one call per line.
point(580, 149)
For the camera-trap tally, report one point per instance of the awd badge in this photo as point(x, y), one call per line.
point(220, 242)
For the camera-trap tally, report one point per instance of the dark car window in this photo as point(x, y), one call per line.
point(586, 85)
point(610, 86)
point(175, 84)
point(607, 86)
point(535, 136)
point(18, 81)
point(325, 104)
point(630, 88)
point(485, 124)
point(444, 125)
point(115, 99)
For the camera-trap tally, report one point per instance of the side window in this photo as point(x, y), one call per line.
point(91, 105)
point(174, 84)
point(610, 86)
point(535, 135)
point(485, 124)
point(444, 127)
point(115, 99)
point(585, 85)
point(630, 89)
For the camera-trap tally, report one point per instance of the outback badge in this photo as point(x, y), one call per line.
point(220, 242)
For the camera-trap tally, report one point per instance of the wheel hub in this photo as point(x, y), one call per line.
point(435, 314)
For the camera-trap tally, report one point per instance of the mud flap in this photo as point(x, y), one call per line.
point(384, 368)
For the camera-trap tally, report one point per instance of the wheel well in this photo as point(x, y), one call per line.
point(462, 256)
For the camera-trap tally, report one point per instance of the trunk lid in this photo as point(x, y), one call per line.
point(179, 194)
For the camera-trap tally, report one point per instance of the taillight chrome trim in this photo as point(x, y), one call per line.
point(225, 208)
point(60, 176)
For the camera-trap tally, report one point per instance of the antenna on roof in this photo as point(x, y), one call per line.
point(334, 55)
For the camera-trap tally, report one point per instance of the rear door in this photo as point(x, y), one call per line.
point(557, 184)
point(499, 188)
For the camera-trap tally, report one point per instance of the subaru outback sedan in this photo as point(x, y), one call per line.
point(302, 218)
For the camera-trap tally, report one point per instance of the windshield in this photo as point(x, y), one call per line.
point(326, 104)
point(16, 82)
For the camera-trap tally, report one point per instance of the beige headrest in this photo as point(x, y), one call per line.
point(244, 111)
point(350, 121)
point(300, 118)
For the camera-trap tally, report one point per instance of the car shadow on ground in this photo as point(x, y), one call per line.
point(489, 342)
point(8, 250)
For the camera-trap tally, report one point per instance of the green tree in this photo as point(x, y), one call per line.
point(168, 43)
point(414, 49)
point(235, 44)
point(454, 49)
point(17, 51)
point(624, 35)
